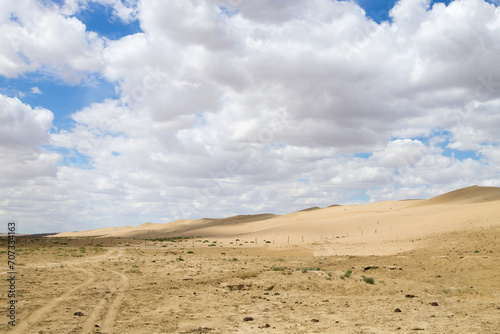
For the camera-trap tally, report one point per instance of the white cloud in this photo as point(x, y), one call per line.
point(22, 131)
point(37, 36)
point(260, 108)
point(36, 90)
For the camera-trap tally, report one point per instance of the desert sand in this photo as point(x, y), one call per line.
point(390, 267)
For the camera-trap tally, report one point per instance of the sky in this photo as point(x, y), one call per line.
point(117, 113)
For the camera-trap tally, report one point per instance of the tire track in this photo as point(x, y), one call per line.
point(109, 319)
point(89, 325)
point(118, 292)
point(36, 316)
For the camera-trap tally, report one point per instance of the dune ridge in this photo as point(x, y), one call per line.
point(372, 229)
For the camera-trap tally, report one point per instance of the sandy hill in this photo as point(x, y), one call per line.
point(473, 194)
point(377, 228)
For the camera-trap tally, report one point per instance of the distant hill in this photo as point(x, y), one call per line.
point(375, 228)
point(472, 194)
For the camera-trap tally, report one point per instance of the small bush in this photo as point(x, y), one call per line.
point(190, 252)
point(347, 274)
point(368, 280)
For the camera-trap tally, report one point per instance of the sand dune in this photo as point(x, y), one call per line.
point(469, 195)
point(372, 229)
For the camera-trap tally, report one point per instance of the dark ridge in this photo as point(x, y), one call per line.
point(310, 209)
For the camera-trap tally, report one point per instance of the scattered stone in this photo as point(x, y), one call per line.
point(237, 287)
point(417, 329)
point(434, 304)
point(269, 288)
point(80, 314)
point(315, 320)
point(393, 268)
point(397, 310)
point(370, 267)
point(96, 326)
point(410, 296)
point(200, 330)
point(248, 319)
point(265, 326)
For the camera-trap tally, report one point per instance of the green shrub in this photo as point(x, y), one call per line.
point(347, 274)
point(368, 280)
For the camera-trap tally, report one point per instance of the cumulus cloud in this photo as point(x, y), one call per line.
point(38, 36)
point(229, 107)
point(22, 131)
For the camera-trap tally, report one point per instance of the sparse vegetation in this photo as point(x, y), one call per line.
point(368, 280)
point(274, 268)
point(346, 275)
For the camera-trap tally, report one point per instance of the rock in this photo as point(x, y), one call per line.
point(237, 287)
point(370, 267)
point(201, 330)
point(397, 310)
point(248, 319)
point(410, 296)
point(80, 314)
point(393, 268)
point(434, 304)
point(269, 288)
point(315, 320)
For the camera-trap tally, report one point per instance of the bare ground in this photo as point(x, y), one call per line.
point(451, 284)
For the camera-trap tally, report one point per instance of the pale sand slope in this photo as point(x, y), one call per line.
point(372, 229)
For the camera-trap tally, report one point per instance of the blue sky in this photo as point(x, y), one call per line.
point(300, 105)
